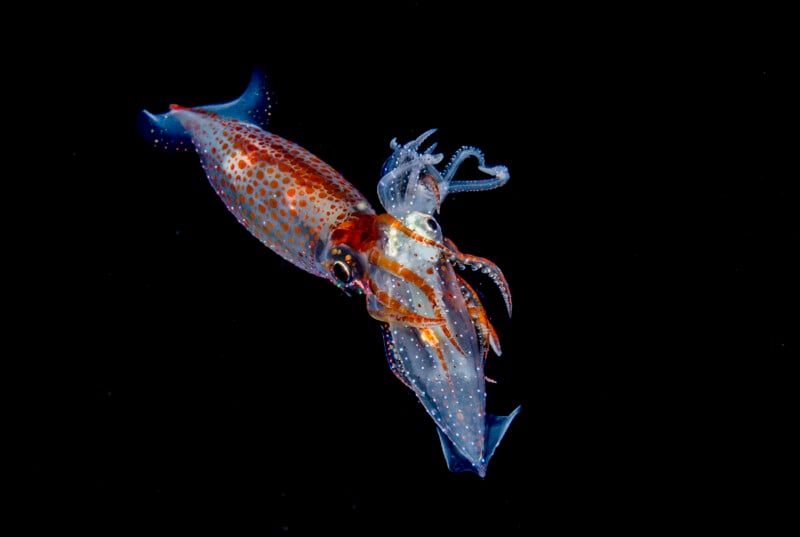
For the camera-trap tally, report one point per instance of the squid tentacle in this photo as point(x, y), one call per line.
point(456, 256)
point(393, 310)
point(487, 267)
point(486, 332)
point(499, 174)
point(387, 309)
point(410, 165)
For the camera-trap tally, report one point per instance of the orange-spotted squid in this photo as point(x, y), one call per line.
point(436, 332)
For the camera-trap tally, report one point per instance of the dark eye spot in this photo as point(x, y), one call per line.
point(432, 224)
point(341, 272)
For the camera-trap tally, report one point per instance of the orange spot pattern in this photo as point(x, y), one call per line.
point(285, 196)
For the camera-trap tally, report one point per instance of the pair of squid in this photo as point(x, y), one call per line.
point(436, 332)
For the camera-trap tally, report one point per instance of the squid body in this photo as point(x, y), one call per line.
point(436, 332)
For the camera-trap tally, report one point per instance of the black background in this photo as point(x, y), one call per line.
point(182, 376)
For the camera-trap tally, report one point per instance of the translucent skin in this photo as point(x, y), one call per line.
point(436, 332)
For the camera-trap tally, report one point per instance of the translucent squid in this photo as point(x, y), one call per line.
point(436, 332)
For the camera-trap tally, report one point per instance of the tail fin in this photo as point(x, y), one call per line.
point(253, 106)
point(496, 427)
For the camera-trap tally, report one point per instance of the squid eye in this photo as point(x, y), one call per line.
point(432, 225)
point(341, 272)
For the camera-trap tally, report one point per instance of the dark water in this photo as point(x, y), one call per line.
point(189, 378)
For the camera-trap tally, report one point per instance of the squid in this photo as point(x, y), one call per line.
point(436, 332)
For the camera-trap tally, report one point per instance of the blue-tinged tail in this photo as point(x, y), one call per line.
point(496, 427)
point(252, 106)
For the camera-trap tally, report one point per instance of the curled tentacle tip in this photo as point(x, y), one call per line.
point(501, 172)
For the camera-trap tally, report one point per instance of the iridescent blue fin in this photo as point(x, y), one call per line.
point(496, 427)
point(252, 106)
